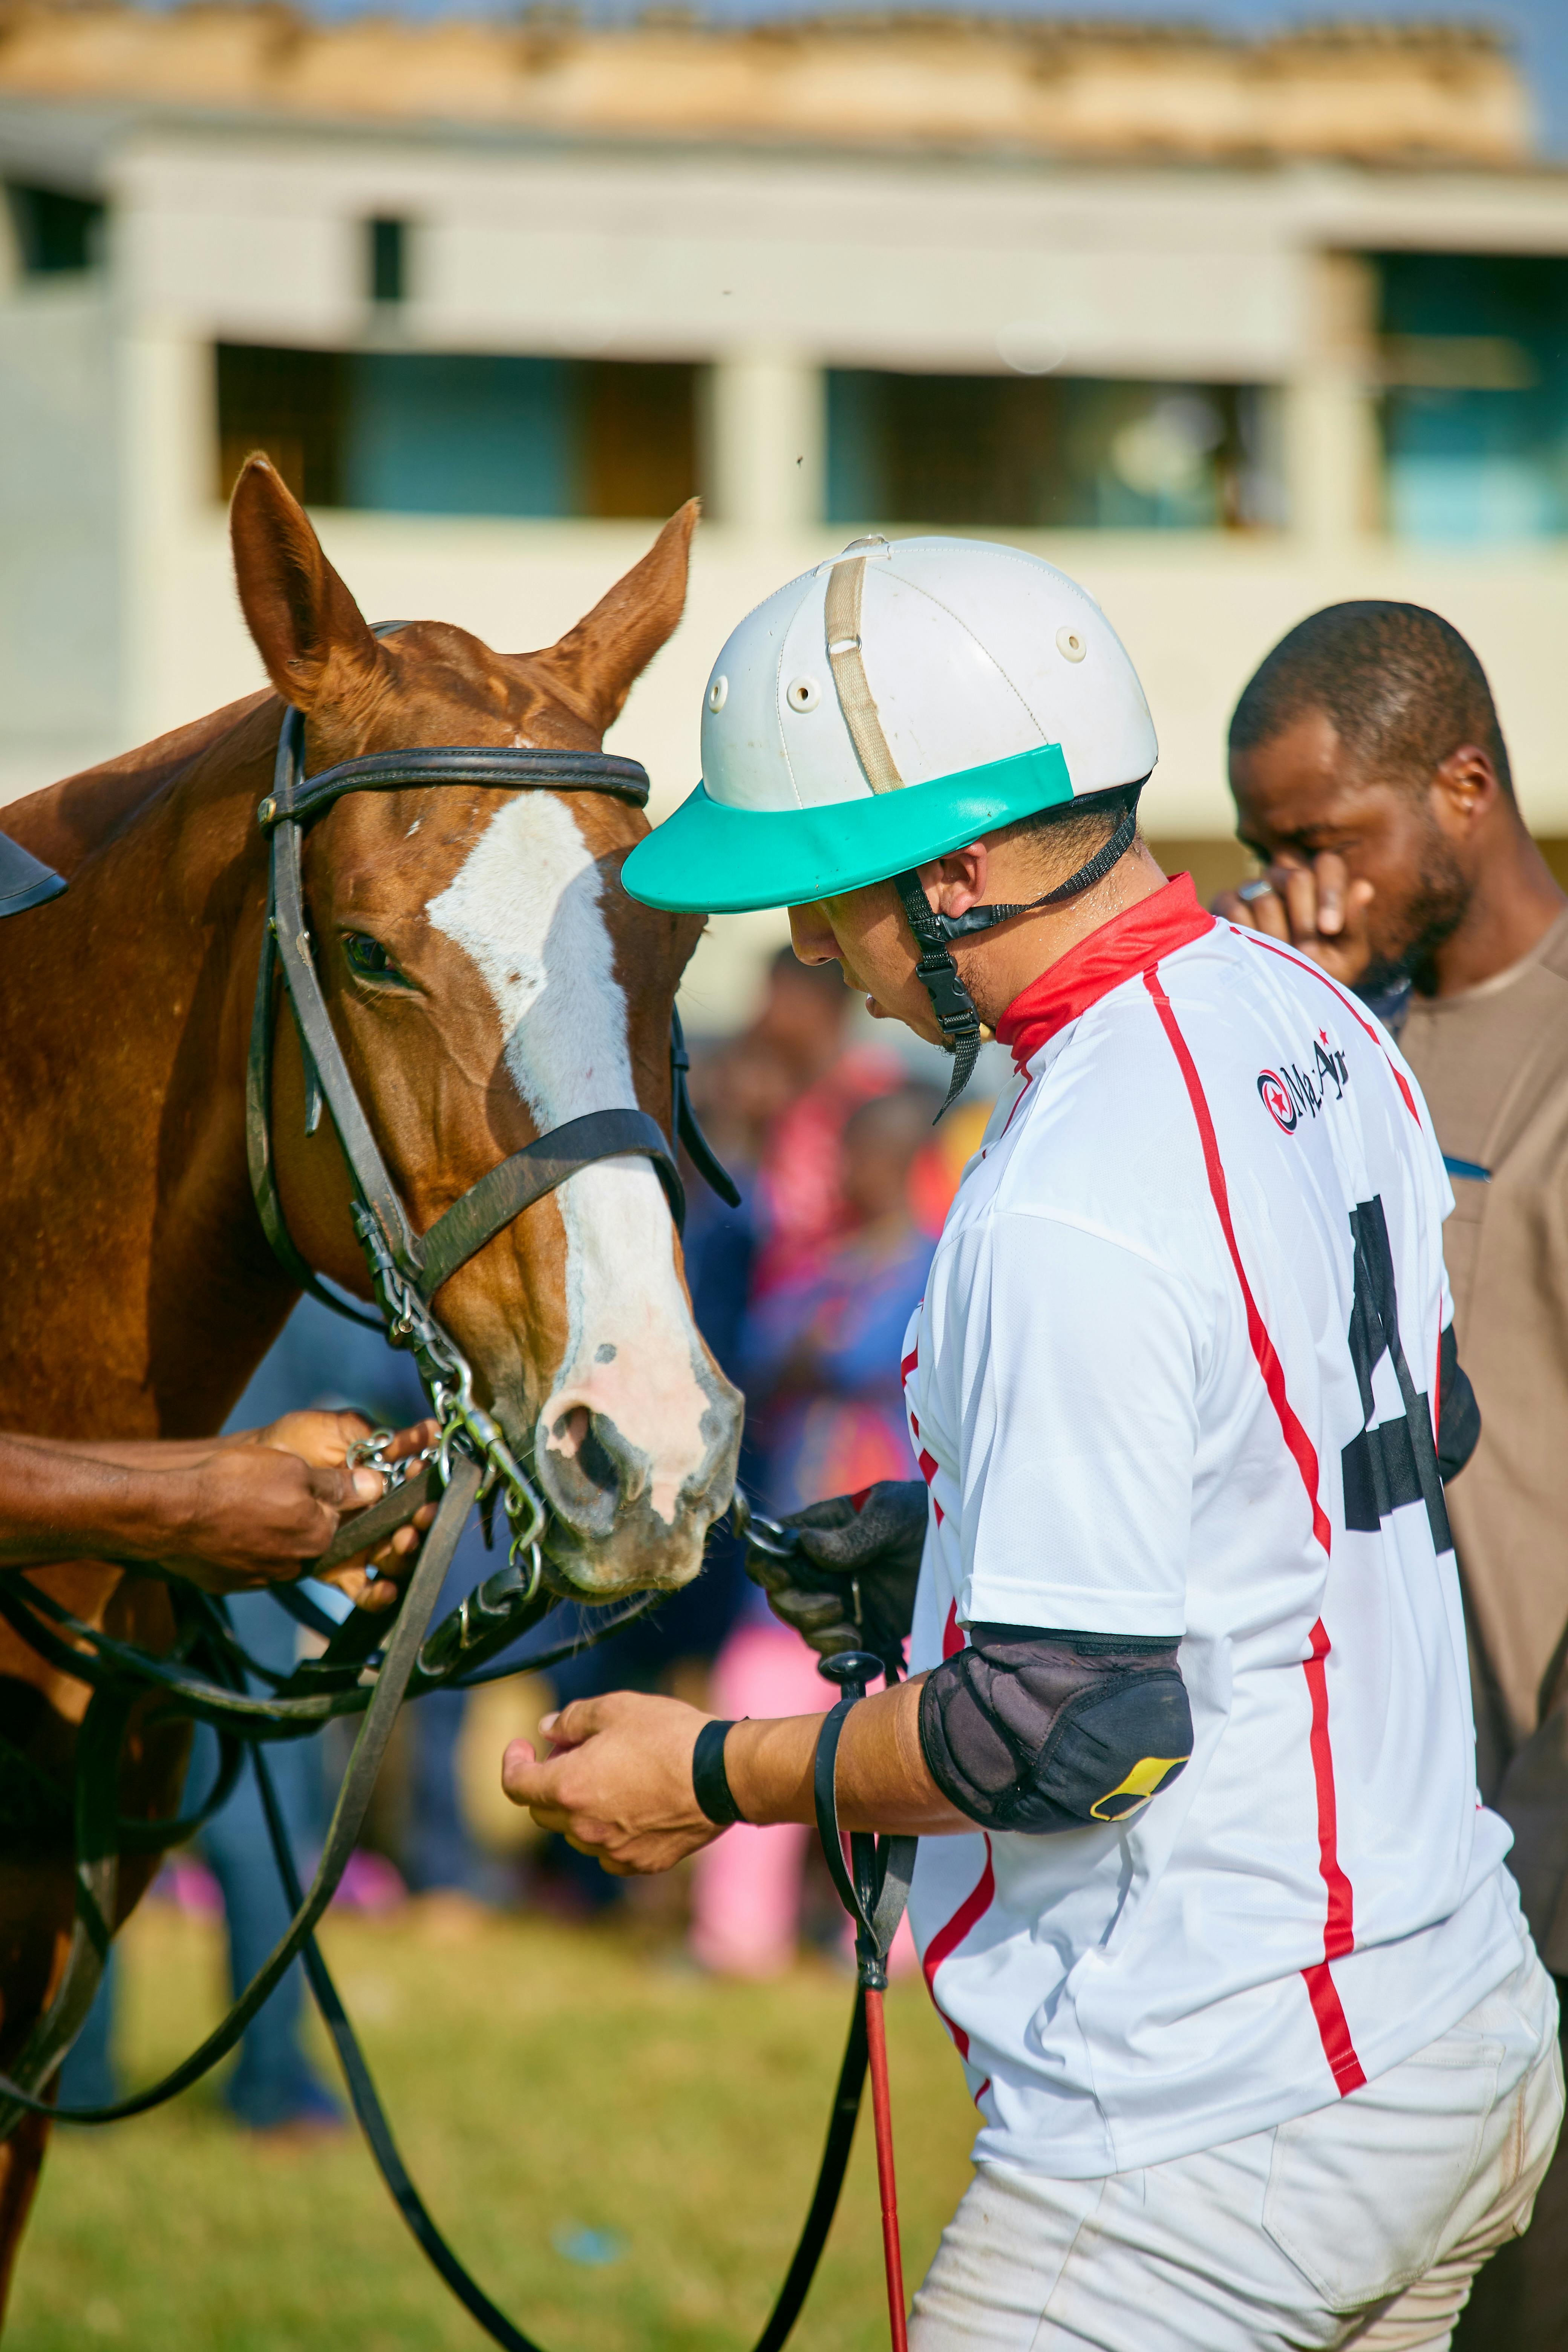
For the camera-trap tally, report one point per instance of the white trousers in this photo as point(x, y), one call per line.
point(1362, 2224)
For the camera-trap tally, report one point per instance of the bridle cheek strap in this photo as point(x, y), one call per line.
point(425, 1262)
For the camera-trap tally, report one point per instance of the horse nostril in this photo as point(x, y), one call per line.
point(572, 1428)
point(581, 1438)
point(589, 1470)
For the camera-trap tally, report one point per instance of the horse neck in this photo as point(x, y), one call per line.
point(138, 1284)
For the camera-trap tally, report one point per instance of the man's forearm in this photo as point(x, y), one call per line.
point(59, 1504)
point(131, 1452)
point(883, 1779)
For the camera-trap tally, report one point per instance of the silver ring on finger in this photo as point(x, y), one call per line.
point(1250, 892)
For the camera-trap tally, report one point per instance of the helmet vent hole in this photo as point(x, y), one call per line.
point(1070, 645)
point(803, 694)
point(718, 693)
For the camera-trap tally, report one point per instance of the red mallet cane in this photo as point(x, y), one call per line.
point(873, 1889)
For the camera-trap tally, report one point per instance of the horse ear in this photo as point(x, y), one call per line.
point(306, 628)
point(597, 663)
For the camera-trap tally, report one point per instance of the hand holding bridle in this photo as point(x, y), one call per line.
point(256, 1510)
point(845, 1577)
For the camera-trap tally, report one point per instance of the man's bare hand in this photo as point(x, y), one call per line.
point(618, 1783)
point(1317, 908)
point(262, 1504)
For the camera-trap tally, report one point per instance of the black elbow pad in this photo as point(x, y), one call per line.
point(1044, 1731)
point(1459, 1415)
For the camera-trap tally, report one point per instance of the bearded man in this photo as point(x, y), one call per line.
point(1371, 781)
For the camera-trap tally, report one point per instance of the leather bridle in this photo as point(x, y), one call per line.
point(408, 1269)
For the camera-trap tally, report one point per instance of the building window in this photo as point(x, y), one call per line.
point(1057, 452)
point(388, 260)
point(439, 433)
point(1474, 355)
point(289, 403)
point(55, 233)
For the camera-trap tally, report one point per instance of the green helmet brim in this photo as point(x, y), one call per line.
point(719, 860)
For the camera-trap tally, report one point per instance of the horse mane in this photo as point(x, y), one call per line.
point(65, 823)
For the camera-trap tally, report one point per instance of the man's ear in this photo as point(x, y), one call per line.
point(957, 882)
point(595, 665)
point(308, 629)
point(1468, 785)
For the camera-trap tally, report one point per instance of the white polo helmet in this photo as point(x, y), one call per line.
point(895, 703)
point(902, 700)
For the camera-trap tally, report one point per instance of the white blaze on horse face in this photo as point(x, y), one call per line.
point(526, 906)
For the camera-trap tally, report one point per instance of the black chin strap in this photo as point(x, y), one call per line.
point(938, 974)
point(955, 1010)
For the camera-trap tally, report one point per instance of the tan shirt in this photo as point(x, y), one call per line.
point(1493, 1065)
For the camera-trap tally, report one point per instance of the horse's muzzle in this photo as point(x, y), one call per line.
point(620, 1521)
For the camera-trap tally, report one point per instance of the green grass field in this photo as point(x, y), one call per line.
point(542, 2081)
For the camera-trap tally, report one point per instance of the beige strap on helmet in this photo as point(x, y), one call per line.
point(841, 615)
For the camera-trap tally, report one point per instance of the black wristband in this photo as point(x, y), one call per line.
point(710, 1781)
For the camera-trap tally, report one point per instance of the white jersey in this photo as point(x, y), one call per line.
point(1175, 1374)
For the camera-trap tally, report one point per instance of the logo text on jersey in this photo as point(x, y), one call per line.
point(1291, 1093)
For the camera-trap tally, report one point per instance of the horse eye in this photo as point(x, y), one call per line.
point(368, 957)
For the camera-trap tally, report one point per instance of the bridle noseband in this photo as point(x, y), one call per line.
point(406, 1268)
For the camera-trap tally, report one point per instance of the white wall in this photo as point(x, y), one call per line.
point(61, 701)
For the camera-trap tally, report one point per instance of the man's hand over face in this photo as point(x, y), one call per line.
point(617, 1784)
point(1315, 907)
point(256, 1509)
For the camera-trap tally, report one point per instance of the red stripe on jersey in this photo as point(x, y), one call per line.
point(1013, 1114)
point(951, 1632)
point(1338, 2047)
point(1339, 1932)
point(910, 1361)
point(1305, 963)
point(947, 1940)
point(1302, 1451)
point(928, 1467)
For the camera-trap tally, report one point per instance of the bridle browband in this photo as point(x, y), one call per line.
point(406, 1268)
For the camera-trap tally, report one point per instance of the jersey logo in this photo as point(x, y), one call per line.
point(1390, 1462)
point(1277, 1100)
point(1292, 1093)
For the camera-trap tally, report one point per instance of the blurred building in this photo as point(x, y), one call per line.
point(1228, 330)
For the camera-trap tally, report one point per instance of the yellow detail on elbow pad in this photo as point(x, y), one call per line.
point(1144, 1781)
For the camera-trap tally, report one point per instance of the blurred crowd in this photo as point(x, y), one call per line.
point(803, 1292)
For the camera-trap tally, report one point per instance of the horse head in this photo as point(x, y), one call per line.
point(489, 980)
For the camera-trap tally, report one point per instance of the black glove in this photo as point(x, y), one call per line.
point(843, 1573)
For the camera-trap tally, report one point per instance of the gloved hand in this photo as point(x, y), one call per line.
point(844, 1576)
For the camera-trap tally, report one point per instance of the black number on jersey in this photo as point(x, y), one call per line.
point(1393, 1461)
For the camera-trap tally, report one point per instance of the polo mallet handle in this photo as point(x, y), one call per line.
point(860, 1890)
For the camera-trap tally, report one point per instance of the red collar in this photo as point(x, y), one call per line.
point(1130, 942)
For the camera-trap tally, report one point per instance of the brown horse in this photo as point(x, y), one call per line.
point(488, 979)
